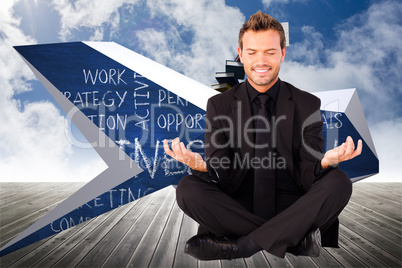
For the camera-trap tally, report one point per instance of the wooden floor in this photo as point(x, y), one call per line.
point(152, 232)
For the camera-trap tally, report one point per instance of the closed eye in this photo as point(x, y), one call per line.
point(271, 52)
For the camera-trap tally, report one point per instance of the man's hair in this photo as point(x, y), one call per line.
point(259, 22)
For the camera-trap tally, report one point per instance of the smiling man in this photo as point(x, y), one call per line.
point(261, 53)
point(262, 186)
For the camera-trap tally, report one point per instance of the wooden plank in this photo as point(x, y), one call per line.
point(7, 189)
point(276, 261)
point(379, 196)
point(23, 186)
point(344, 257)
point(325, 260)
point(15, 206)
point(388, 221)
point(188, 229)
point(377, 204)
point(47, 247)
point(370, 236)
point(365, 221)
point(362, 255)
point(257, 260)
point(209, 264)
point(143, 254)
point(301, 261)
point(9, 231)
point(54, 249)
point(121, 254)
point(15, 256)
point(97, 255)
point(233, 263)
point(166, 249)
point(20, 192)
point(12, 230)
point(376, 220)
point(385, 244)
point(375, 252)
point(6, 186)
point(73, 253)
point(30, 206)
point(387, 190)
point(24, 194)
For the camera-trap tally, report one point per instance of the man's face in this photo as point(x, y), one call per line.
point(262, 57)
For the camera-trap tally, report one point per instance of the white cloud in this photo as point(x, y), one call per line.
point(33, 145)
point(213, 27)
point(98, 34)
point(268, 3)
point(157, 42)
point(12, 67)
point(34, 138)
point(310, 51)
point(386, 136)
point(88, 14)
point(367, 57)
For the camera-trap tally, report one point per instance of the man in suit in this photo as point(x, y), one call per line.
point(265, 182)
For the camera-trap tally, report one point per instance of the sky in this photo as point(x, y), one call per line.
point(333, 45)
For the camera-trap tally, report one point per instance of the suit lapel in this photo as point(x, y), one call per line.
point(284, 126)
point(241, 111)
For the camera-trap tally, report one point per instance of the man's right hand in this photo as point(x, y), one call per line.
point(180, 153)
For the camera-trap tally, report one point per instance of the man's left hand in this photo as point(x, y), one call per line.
point(344, 152)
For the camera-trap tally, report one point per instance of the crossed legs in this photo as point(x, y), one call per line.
point(220, 214)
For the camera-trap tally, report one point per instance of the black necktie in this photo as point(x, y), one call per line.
point(264, 172)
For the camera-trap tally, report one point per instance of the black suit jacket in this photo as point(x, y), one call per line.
point(299, 140)
point(229, 136)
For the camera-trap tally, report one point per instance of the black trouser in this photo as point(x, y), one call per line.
point(220, 214)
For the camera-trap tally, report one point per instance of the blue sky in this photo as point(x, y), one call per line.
point(333, 45)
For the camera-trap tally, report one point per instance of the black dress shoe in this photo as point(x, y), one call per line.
point(309, 246)
point(209, 247)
